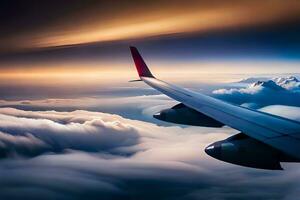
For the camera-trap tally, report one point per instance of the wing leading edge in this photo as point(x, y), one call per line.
point(280, 133)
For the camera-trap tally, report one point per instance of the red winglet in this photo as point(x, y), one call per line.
point(140, 65)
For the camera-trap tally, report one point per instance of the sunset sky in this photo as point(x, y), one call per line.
point(59, 38)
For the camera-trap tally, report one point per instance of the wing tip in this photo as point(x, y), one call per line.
point(132, 48)
point(140, 64)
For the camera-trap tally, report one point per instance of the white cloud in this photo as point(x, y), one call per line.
point(248, 90)
point(109, 156)
point(91, 131)
point(279, 91)
point(79, 130)
point(289, 83)
point(135, 107)
point(290, 112)
point(122, 149)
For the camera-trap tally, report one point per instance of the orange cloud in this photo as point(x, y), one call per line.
point(194, 17)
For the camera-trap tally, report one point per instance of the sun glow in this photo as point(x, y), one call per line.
point(96, 73)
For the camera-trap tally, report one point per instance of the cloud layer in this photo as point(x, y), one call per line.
point(83, 154)
point(132, 107)
point(99, 153)
point(80, 154)
point(279, 91)
point(30, 133)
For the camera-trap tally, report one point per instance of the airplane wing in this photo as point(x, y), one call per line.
point(280, 133)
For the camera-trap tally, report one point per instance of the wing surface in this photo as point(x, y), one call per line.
point(278, 132)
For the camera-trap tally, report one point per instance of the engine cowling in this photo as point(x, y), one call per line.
point(245, 151)
point(181, 114)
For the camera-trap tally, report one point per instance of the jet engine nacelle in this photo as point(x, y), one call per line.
point(181, 114)
point(245, 151)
